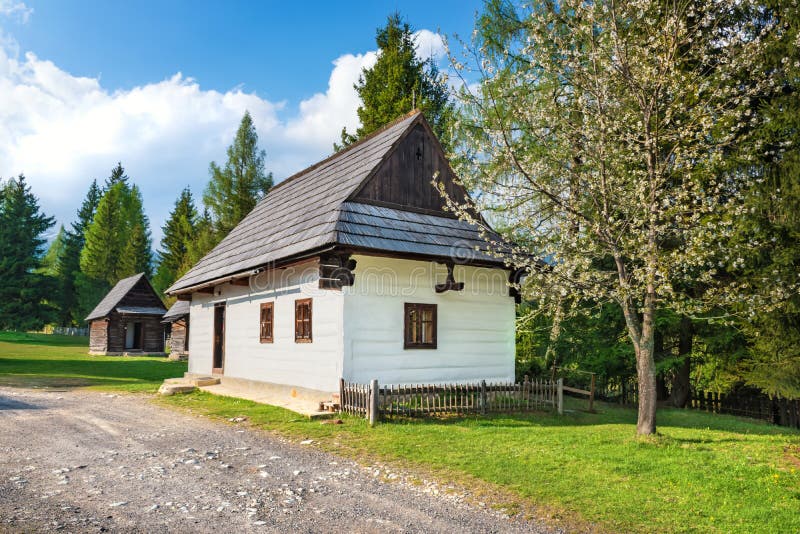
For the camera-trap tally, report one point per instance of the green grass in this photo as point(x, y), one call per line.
point(51, 361)
point(702, 473)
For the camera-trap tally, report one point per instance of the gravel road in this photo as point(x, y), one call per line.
point(79, 461)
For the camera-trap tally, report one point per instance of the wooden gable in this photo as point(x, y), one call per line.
point(141, 295)
point(403, 180)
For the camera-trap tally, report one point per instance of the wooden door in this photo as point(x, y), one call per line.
point(138, 336)
point(219, 338)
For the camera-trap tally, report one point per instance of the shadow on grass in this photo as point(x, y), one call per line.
point(53, 340)
point(76, 373)
point(612, 415)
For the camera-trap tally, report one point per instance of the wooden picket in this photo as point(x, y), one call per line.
point(418, 400)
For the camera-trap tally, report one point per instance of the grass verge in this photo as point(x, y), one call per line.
point(52, 361)
point(702, 473)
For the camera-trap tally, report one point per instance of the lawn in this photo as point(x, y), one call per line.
point(702, 473)
point(40, 360)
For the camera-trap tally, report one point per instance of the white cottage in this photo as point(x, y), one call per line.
point(352, 268)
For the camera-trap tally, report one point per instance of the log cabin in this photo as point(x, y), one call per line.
point(177, 320)
point(353, 268)
point(128, 320)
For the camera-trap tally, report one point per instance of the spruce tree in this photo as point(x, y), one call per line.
point(104, 237)
point(234, 189)
point(77, 293)
point(119, 227)
point(179, 232)
point(55, 252)
point(770, 227)
point(136, 254)
point(117, 176)
point(136, 229)
point(24, 291)
point(204, 241)
point(399, 82)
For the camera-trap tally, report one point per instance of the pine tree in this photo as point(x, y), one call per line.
point(179, 232)
point(770, 228)
point(76, 292)
point(234, 190)
point(136, 229)
point(136, 254)
point(117, 176)
point(119, 227)
point(104, 238)
point(24, 291)
point(204, 241)
point(55, 252)
point(399, 82)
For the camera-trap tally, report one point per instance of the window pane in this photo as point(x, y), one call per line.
point(427, 332)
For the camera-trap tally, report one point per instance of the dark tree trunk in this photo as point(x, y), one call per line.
point(646, 370)
point(681, 382)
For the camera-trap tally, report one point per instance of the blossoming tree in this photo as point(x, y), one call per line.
point(597, 134)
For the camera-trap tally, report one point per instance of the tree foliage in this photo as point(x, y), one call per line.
point(599, 133)
point(180, 231)
point(234, 189)
point(117, 241)
point(772, 224)
point(399, 82)
point(25, 289)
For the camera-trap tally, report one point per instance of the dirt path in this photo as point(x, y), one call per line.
point(81, 461)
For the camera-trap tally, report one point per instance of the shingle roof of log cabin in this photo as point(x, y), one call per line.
point(130, 296)
point(355, 199)
point(178, 310)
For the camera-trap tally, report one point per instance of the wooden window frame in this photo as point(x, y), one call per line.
point(298, 334)
point(271, 322)
point(407, 342)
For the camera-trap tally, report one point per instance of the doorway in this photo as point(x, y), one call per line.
point(219, 338)
point(133, 336)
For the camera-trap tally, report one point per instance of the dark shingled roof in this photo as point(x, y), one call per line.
point(310, 210)
point(117, 293)
point(139, 310)
point(177, 311)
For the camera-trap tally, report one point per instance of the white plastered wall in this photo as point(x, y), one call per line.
point(475, 337)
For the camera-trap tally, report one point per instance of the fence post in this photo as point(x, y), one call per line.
point(591, 396)
point(483, 396)
point(341, 394)
point(560, 396)
point(373, 402)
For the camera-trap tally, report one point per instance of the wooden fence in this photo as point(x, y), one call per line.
point(63, 330)
point(414, 400)
point(784, 412)
point(742, 401)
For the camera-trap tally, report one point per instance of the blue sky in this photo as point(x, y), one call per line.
point(161, 86)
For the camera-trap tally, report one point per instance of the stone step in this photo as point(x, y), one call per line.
point(172, 389)
point(202, 381)
point(179, 381)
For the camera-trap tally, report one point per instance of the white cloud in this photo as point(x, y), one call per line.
point(62, 130)
point(16, 9)
point(429, 44)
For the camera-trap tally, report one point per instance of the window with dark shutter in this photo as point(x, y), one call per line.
point(267, 319)
point(420, 326)
point(302, 321)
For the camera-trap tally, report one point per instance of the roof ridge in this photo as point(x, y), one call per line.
point(348, 148)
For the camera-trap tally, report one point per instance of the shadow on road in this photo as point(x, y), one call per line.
point(7, 403)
